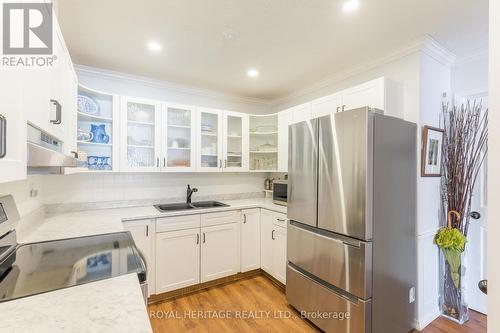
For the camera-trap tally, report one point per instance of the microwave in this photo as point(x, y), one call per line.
point(280, 192)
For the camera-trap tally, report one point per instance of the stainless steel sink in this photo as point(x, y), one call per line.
point(185, 206)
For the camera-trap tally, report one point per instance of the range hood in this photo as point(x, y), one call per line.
point(45, 153)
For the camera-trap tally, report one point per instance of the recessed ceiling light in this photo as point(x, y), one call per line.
point(252, 72)
point(351, 5)
point(154, 46)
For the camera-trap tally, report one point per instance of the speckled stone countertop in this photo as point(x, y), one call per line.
point(112, 305)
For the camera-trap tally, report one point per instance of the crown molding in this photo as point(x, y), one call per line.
point(175, 87)
point(438, 52)
point(427, 45)
point(481, 54)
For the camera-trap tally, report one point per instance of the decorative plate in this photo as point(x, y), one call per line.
point(87, 104)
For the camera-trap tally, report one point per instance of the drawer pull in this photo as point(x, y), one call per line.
point(272, 235)
point(280, 220)
point(244, 218)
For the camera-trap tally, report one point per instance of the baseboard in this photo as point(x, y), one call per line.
point(421, 323)
point(202, 286)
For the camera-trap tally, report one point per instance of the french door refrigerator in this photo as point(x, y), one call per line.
point(351, 237)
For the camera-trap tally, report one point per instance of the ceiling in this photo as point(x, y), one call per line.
point(293, 43)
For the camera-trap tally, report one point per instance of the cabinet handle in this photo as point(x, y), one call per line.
point(197, 238)
point(280, 220)
point(75, 154)
point(244, 218)
point(58, 119)
point(343, 107)
point(220, 163)
point(157, 162)
point(338, 108)
point(272, 235)
point(164, 162)
point(3, 136)
point(147, 231)
point(204, 238)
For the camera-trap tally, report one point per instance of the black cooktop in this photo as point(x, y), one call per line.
point(46, 266)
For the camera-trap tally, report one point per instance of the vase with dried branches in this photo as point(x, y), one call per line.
point(464, 150)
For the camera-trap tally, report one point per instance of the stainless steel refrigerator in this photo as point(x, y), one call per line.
point(351, 237)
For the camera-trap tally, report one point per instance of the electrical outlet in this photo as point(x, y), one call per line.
point(411, 295)
point(33, 191)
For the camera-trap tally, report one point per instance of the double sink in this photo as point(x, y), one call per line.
point(188, 206)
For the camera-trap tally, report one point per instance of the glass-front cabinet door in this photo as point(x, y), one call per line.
point(235, 141)
point(209, 140)
point(178, 138)
point(140, 129)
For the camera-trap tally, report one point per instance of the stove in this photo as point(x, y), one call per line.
point(34, 268)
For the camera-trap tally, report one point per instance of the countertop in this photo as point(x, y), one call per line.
point(112, 305)
point(101, 221)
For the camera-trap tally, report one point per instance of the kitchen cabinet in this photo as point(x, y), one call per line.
point(284, 120)
point(210, 144)
point(140, 135)
point(178, 138)
point(326, 105)
point(142, 233)
point(219, 251)
point(96, 133)
point(235, 141)
point(12, 127)
point(250, 239)
point(51, 105)
point(301, 113)
point(264, 142)
point(177, 259)
point(273, 244)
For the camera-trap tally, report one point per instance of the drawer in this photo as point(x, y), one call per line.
point(177, 223)
point(278, 218)
point(232, 216)
point(313, 298)
point(343, 262)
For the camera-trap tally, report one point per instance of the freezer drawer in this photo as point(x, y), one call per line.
point(345, 173)
point(343, 262)
point(312, 299)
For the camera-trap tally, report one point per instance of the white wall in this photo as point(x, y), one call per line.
point(435, 79)
point(470, 76)
point(79, 188)
point(137, 86)
point(493, 163)
point(20, 190)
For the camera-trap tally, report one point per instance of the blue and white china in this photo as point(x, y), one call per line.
point(99, 163)
point(99, 133)
point(87, 104)
point(84, 136)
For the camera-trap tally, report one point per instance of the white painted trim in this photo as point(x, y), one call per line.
point(479, 55)
point(438, 52)
point(176, 87)
point(420, 324)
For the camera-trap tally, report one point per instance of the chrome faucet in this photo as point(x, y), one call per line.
point(189, 193)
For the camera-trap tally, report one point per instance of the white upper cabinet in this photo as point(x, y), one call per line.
point(12, 127)
point(284, 120)
point(326, 105)
point(178, 138)
point(367, 94)
point(140, 132)
point(301, 113)
point(209, 131)
point(264, 142)
point(235, 146)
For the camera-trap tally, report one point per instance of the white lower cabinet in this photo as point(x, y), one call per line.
point(219, 251)
point(177, 259)
point(273, 244)
point(250, 240)
point(142, 232)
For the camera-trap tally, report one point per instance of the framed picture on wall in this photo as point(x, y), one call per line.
point(432, 140)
